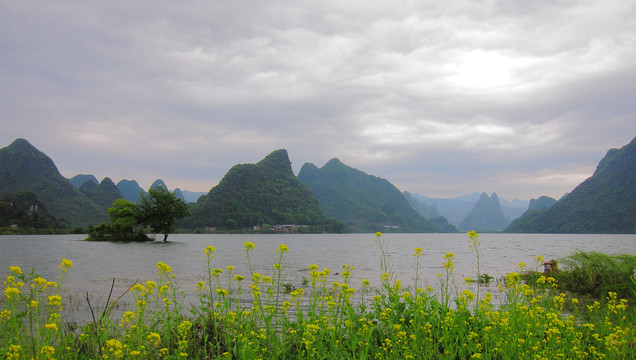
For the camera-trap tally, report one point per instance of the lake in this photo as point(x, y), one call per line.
point(96, 264)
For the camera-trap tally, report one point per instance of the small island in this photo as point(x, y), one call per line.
point(158, 210)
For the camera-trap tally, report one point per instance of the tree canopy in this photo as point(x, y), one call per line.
point(160, 209)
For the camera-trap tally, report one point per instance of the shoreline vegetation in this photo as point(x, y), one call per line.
point(540, 316)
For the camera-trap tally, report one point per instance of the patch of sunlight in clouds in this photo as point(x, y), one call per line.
point(428, 132)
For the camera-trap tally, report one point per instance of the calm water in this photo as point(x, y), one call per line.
point(96, 264)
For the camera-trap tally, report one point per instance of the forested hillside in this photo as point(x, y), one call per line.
point(25, 168)
point(604, 203)
point(365, 203)
point(255, 194)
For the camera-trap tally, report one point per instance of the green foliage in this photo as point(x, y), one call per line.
point(25, 168)
point(160, 210)
point(26, 211)
point(254, 194)
point(595, 274)
point(363, 202)
point(262, 316)
point(604, 203)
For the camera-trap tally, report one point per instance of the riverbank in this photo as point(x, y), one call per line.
point(331, 317)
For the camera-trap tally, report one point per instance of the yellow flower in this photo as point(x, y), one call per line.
point(313, 267)
point(277, 267)
point(65, 265)
point(365, 282)
point(51, 326)
point(15, 269)
point(222, 292)
point(248, 245)
point(238, 277)
point(47, 351)
point(418, 252)
point(230, 268)
point(282, 248)
point(163, 268)
point(154, 338)
point(134, 353)
point(209, 250)
point(33, 304)
point(378, 234)
point(55, 300)
point(9, 292)
point(151, 285)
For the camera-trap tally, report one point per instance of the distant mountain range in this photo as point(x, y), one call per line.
point(457, 209)
point(130, 189)
point(34, 194)
point(363, 202)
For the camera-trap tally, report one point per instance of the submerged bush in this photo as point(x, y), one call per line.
point(330, 318)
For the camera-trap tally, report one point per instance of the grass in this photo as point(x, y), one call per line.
point(330, 318)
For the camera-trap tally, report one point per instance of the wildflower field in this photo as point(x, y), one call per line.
point(329, 318)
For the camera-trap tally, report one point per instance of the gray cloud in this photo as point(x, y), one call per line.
point(440, 98)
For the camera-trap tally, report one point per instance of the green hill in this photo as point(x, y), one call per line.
point(604, 203)
point(363, 202)
point(104, 194)
point(25, 168)
point(263, 193)
point(78, 180)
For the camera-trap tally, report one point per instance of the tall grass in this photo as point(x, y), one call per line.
point(596, 274)
point(330, 318)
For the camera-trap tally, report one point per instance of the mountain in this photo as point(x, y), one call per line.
point(457, 208)
point(191, 196)
point(429, 212)
point(453, 209)
point(25, 168)
point(78, 180)
point(178, 194)
point(486, 215)
point(604, 203)
point(363, 202)
point(263, 193)
point(104, 194)
point(541, 203)
point(130, 190)
point(159, 183)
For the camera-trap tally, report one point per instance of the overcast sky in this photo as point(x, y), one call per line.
point(441, 98)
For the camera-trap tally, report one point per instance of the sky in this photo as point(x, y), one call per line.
point(441, 98)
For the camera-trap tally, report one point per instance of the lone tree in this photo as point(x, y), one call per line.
point(160, 210)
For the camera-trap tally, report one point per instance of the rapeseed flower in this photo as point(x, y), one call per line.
point(16, 270)
point(65, 265)
point(10, 292)
point(209, 250)
point(248, 245)
point(282, 248)
point(163, 268)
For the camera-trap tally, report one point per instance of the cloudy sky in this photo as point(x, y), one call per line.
point(442, 98)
